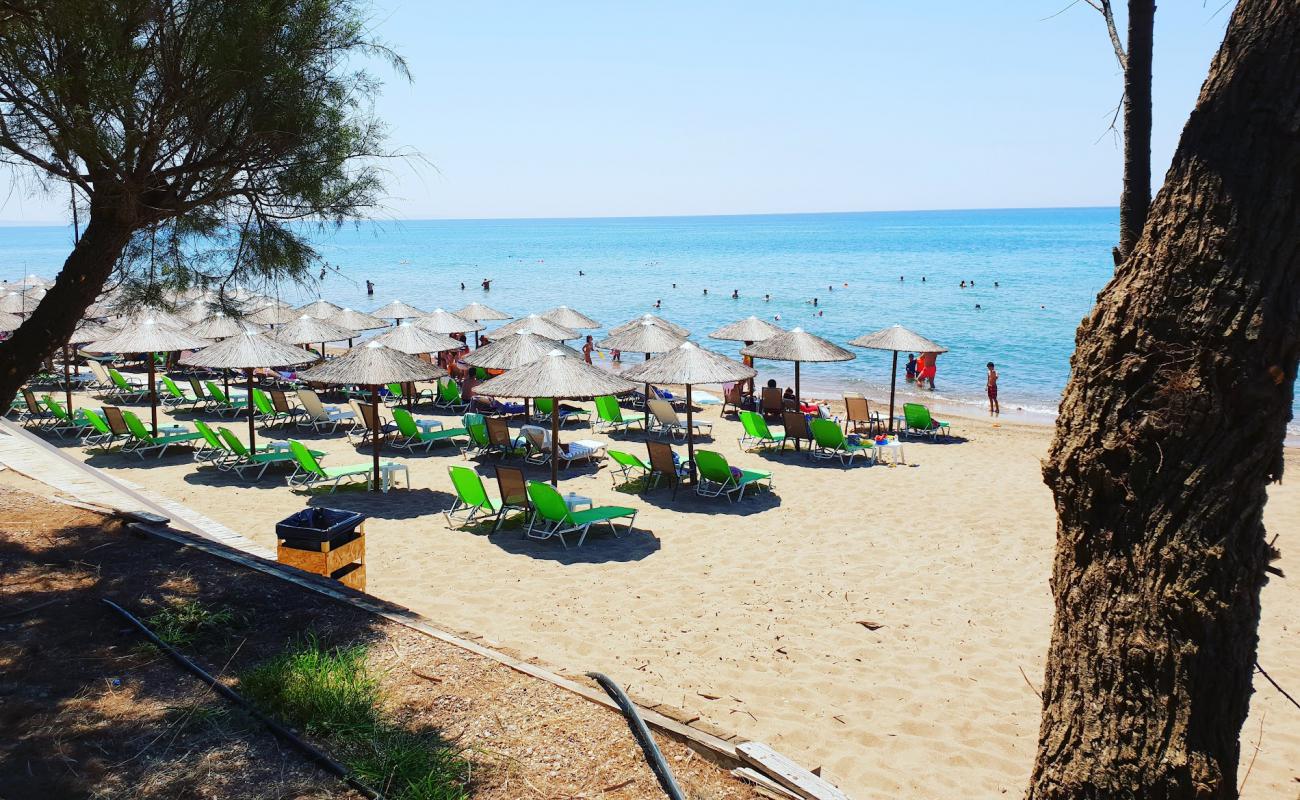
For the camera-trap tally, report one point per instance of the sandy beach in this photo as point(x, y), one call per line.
point(886, 623)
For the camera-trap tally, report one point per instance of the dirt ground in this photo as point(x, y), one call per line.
point(89, 712)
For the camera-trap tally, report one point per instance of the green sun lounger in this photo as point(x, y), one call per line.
point(142, 441)
point(472, 500)
point(543, 406)
point(102, 437)
point(718, 478)
point(64, 422)
point(241, 459)
point(829, 441)
point(220, 403)
point(552, 516)
point(124, 389)
point(212, 450)
point(627, 467)
point(308, 472)
point(409, 436)
point(918, 421)
point(174, 396)
point(610, 416)
point(449, 396)
point(757, 433)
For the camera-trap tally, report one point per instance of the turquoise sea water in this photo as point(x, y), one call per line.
point(1048, 265)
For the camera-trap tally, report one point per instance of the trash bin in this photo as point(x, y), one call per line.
point(325, 541)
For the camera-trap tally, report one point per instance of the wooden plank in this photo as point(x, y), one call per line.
point(787, 773)
point(763, 782)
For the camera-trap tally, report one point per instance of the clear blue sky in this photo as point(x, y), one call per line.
point(598, 108)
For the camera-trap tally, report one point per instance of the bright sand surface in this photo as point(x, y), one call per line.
point(750, 615)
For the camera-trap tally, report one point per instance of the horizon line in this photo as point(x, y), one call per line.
point(721, 215)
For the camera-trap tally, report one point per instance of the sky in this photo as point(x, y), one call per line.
point(581, 109)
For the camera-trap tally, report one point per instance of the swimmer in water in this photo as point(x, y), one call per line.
point(995, 284)
point(900, 278)
point(963, 284)
point(706, 291)
point(814, 302)
point(776, 317)
point(767, 298)
point(370, 287)
point(735, 294)
point(580, 272)
point(659, 304)
point(977, 306)
point(462, 286)
point(487, 284)
point(922, 279)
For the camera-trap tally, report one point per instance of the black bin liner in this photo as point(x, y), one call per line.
point(319, 524)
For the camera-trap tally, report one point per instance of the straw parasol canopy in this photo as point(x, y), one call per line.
point(129, 320)
point(412, 338)
point(569, 318)
point(482, 313)
point(896, 338)
point(273, 314)
point(397, 310)
point(97, 309)
point(799, 346)
point(220, 326)
point(145, 332)
point(10, 322)
point(439, 321)
point(514, 350)
point(358, 321)
point(660, 321)
point(750, 329)
point(645, 337)
point(18, 303)
point(249, 351)
point(307, 329)
point(93, 332)
point(372, 364)
point(688, 364)
point(320, 309)
point(32, 279)
point(535, 324)
point(560, 377)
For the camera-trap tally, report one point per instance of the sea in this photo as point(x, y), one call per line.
point(1030, 276)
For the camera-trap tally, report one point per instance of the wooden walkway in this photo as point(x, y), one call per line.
point(36, 458)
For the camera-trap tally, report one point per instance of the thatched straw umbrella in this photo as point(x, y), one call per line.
point(660, 321)
point(220, 326)
point(440, 321)
point(32, 279)
point(688, 364)
point(307, 329)
point(397, 311)
point(645, 337)
point(357, 321)
point(482, 313)
point(896, 338)
point(10, 322)
point(320, 309)
point(535, 324)
point(797, 345)
point(145, 334)
point(514, 350)
point(372, 364)
point(410, 338)
point(750, 329)
point(570, 318)
point(249, 351)
point(273, 315)
point(559, 377)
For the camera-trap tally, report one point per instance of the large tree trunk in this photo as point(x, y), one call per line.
point(78, 284)
point(1170, 429)
point(1135, 199)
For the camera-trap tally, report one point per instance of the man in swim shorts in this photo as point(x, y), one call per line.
point(992, 388)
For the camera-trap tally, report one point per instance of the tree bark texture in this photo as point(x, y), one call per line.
point(1170, 428)
point(1135, 198)
point(78, 284)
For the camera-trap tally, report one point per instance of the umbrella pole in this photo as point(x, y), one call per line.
point(475, 340)
point(374, 433)
point(555, 442)
point(252, 432)
point(67, 379)
point(798, 399)
point(153, 398)
point(893, 380)
point(690, 434)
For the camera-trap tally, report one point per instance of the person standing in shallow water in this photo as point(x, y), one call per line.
point(587, 347)
point(991, 387)
point(487, 284)
point(911, 367)
point(370, 287)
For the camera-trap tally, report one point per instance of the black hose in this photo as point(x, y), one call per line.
point(320, 757)
point(642, 734)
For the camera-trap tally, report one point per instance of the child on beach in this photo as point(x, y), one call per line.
point(911, 367)
point(992, 388)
